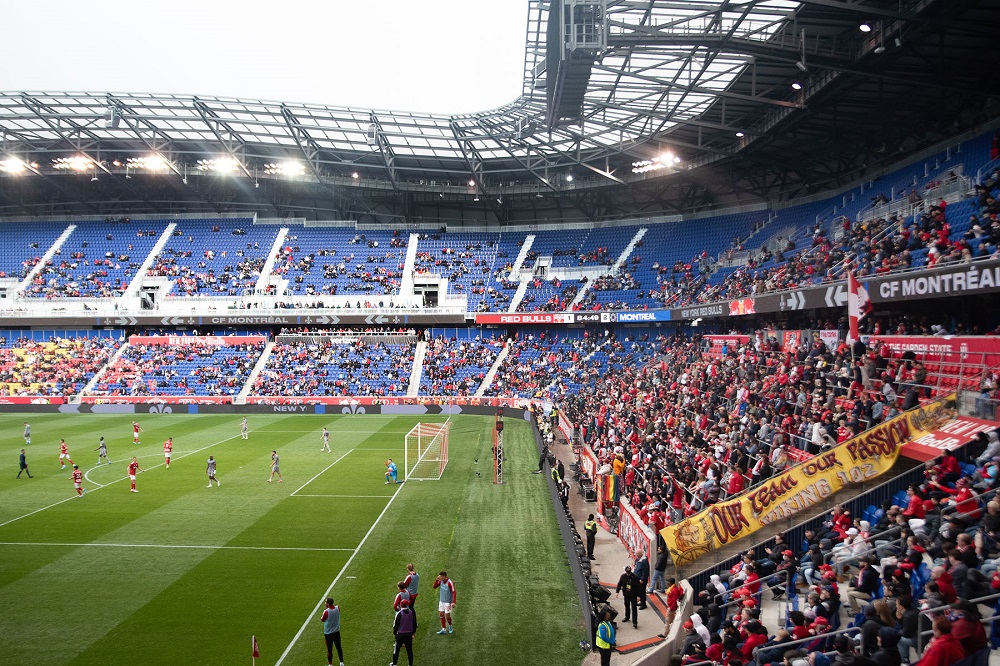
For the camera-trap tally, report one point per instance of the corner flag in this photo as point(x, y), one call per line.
point(256, 652)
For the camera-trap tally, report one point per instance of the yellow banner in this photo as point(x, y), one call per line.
point(858, 460)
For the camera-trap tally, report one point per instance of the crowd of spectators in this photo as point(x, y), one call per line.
point(378, 271)
point(58, 367)
point(333, 368)
point(457, 367)
point(179, 370)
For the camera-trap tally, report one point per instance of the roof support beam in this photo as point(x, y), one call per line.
point(378, 140)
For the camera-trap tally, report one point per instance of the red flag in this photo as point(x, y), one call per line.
point(256, 652)
point(858, 305)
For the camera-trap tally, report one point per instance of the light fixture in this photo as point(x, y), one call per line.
point(880, 49)
point(150, 163)
point(472, 183)
point(569, 178)
point(659, 162)
point(223, 165)
point(865, 27)
point(12, 165)
point(740, 134)
point(355, 175)
point(77, 163)
point(801, 65)
point(477, 198)
point(285, 168)
point(796, 85)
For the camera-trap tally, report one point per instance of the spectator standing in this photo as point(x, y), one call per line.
point(659, 568)
point(403, 628)
point(331, 631)
point(641, 572)
point(590, 528)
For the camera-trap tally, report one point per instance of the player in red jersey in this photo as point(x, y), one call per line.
point(64, 454)
point(135, 432)
point(168, 449)
point(133, 469)
point(77, 478)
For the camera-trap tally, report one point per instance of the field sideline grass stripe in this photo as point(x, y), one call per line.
point(309, 620)
point(73, 497)
point(347, 496)
point(161, 545)
point(320, 472)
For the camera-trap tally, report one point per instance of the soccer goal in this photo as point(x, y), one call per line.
point(426, 451)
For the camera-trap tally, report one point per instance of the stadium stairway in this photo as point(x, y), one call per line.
point(406, 284)
point(241, 397)
point(613, 270)
point(488, 379)
point(46, 258)
point(100, 373)
point(140, 275)
point(265, 274)
point(418, 369)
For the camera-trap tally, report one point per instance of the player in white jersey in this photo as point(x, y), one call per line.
point(210, 470)
point(102, 452)
point(244, 429)
point(275, 467)
point(326, 440)
point(27, 433)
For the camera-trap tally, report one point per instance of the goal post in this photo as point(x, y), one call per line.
point(426, 451)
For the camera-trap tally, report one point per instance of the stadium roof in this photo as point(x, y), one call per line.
point(628, 107)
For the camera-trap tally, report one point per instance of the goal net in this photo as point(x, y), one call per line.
point(426, 451)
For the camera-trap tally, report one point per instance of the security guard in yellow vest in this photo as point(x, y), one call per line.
point(605, 639)
point(554, 416)
point(590, 527)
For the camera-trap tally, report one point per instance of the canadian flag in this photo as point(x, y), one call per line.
point(256, 652)
point(858, 305)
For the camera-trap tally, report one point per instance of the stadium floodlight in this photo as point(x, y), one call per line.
point(76, 163)
point(149, 163)
point(569, 178)
point(796, 85)
point(472, 183)
point(222, 166)
point(12, 165)
point(663, 161)
point(865, 27)
point(355, 175)
point(285, 168)
point(740, 134)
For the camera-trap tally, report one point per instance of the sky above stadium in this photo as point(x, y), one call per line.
point(440, 56)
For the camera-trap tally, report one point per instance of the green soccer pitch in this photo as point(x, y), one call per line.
point(179, 573)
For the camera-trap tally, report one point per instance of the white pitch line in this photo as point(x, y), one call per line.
point(347, 496)
point(73, 497)
point(160, 545)
point(309, 620)
point(320, 473)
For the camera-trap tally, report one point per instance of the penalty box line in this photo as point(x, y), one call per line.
point(74, 497)
point(309, 620)
point(320, 473)
point(163, 545)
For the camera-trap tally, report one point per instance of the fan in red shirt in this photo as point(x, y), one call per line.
point(168, 449)
point(133, 469)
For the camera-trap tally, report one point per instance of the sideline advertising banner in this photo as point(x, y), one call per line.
point(860, 459)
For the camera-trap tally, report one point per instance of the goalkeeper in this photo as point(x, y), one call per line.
point(390, 472)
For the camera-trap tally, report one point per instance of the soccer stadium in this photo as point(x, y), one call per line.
point(689, 354)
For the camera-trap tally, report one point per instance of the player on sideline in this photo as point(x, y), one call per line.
point(244, 429)
point(326, 440)
point(412, 582)
point(390, 472)
point(135, 432)
point(401, 595)
point(211, 472)
point(168, 450)
point(133, 469)
point(102, 452)
point(64, 454)
point(77, 478)
point(446, 602)
point(275, 468)
point(27, 433)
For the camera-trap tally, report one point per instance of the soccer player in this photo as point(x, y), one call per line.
point(22, 462)
point(244, 429)
point(326, 440)
point(390, 472)
point(331, 630)
point(446, 602)
point(102, 452)
point(211, 472)
point(275, 468)
point(401, 595)
point(135, 432)
point(133, 469)
point(77, 478)
point(64, 454)
point(412, 582)
point(168, 450)
point(27, 433)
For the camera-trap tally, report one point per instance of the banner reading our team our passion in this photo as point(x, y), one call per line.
point(860, 459)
